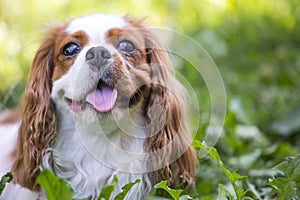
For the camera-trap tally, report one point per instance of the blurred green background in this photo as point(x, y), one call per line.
point(255, 44)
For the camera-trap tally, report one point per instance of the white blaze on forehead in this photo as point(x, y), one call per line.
point(95, 26)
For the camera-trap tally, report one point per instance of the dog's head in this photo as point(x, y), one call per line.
point(101, 62)
point(92, 66)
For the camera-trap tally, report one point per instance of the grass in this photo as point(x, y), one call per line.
point(280, 182)
point(256, 47)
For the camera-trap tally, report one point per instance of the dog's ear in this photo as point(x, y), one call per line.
point(169, 144)
point(38, 115)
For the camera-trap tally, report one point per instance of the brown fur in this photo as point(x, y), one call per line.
point(174, 131)
point(38, 123)
point(61, 64)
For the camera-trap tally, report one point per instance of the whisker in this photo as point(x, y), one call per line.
point(139, 92)
point(129, 65)
point(125, 61)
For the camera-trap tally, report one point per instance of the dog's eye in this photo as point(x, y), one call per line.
point(126, 47)
point(71, 49)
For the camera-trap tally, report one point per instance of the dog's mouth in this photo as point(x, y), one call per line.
point(103, 99)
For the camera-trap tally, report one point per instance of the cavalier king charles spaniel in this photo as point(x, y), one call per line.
point(101, 101)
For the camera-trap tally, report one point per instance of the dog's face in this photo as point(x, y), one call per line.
point(95, 67)
point(100, 66)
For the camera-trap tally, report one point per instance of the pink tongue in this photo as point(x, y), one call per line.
point(102, 99)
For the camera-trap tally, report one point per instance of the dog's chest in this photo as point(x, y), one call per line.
point(89, 160)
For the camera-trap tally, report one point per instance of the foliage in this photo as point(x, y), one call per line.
point(54, 187)
point(232, 176)
point(4, 180)
point(57, 188)
point(175, 194)
point(255, 45)
point(108, 189)
point(125, 190)
point(287, 186)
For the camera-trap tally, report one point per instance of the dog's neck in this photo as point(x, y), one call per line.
point(88, 155)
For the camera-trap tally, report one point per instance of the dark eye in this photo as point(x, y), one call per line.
point(127, 47)
point(71, 49)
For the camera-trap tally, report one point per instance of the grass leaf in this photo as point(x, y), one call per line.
point(5, 179)
point(126, 189)
point(288, 186)
point(54, 187)
point(174, 193)
point(108, 189)
point(232, 176)
point(223, 193)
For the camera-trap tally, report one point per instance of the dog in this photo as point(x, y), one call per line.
point(101, 101)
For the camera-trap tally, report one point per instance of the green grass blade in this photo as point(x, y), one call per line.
point(126, 189)
point(108, 189)
point(232, 176)
point(54, 187)
point(5, 179)
point(174, 193)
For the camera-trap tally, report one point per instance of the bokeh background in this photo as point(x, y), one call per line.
point(256, 46)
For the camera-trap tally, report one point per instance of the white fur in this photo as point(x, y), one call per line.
point(88, 158)
point(16, 192)
point(90, 148)
point(96, 25)
point(8, 134)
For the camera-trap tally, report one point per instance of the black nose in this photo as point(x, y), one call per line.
point(97, 56)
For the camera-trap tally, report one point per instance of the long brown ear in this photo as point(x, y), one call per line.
point(38, 115)
point(170, 136)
